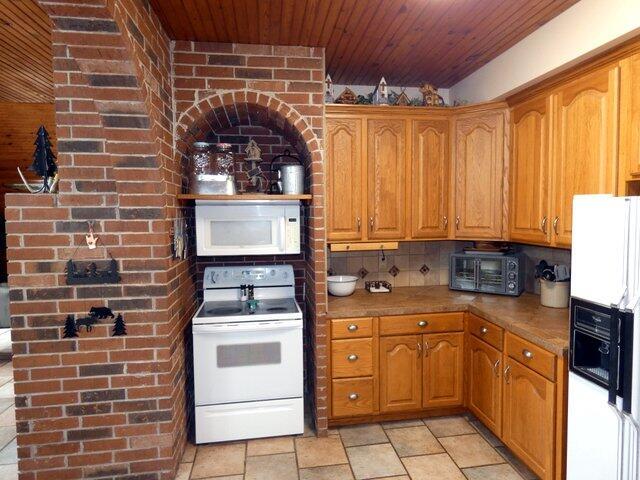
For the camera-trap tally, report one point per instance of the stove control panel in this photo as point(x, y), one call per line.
point(233, 277)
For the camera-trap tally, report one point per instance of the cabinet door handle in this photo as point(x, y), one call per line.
point(426, 349)
point(445, 220)
point(353, 396)
point(527, 354)
point(507, 374)
point(555, 225)
point(419, 349)
point(371, 223)
point(496, 368)
point(484, 330)
point(422, 323)
point(352, 327)
point(458, 222)
point(353, 357)
point(543, 224)
point(359, 223)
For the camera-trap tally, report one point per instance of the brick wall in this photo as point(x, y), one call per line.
point(222, 86)
point(101, 406)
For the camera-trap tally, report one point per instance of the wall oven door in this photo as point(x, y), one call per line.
point(247, 361)
point(224, 229)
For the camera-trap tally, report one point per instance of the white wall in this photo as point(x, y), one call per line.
point(413, 92)
point(588, 27)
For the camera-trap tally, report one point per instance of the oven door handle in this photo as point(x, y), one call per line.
point(248, 327)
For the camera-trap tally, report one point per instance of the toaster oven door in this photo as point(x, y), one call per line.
point(491, 275)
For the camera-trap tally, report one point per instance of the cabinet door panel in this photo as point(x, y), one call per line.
point(386, 165)
point(485, 383)
point(530, 172)
point(344, 179)
point(443, 370)
point(430, 170)
point(479, 170)
point(584, 144)
point(529, 417)
point(629, 121)
point(400, 373)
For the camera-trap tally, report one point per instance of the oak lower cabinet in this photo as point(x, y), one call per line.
point(443, 370)
point(400, 373)
point(529, 417)
point(485, 383)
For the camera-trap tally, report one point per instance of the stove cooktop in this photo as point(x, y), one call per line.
point(235, 310)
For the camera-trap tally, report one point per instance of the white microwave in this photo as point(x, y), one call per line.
point(225, 228)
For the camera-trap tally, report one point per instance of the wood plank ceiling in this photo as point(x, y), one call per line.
point(406, 41)
point(26, 71)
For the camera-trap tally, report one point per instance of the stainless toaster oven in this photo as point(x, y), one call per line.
point(487, 273)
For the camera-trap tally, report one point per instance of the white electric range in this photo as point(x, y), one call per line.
point(247, 356)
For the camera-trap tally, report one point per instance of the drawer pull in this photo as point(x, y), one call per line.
point(353, 396)
point(527, 354)
point(352, 327)
point(484, 331)
point(422, 323)
point(353, 357)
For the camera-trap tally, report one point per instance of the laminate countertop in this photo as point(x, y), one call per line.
point(524, 316)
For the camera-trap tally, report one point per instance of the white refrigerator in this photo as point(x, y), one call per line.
point(604, 358)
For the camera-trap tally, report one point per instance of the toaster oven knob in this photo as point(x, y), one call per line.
point(512, 265)
point(511, 285)
point(512, 275)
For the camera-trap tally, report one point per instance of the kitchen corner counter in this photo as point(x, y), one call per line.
point(523, 315)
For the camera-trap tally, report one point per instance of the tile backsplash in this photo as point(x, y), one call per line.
point(427, 263)
point(412, 264)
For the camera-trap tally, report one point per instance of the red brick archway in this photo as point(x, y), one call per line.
point(220, 111)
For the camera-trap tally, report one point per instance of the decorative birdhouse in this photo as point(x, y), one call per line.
point(382, 93)
point(430, 97)
point(328, 90)
point(402, 99)
point(347, 97)
point(253, 152)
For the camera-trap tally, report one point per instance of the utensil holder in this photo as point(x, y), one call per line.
point(554, 294)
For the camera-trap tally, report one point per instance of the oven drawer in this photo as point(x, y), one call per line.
point(425, 323)
point(487, 331)
point(351, 397)
point(352, 327)
point(532, 356)
point(351, 358)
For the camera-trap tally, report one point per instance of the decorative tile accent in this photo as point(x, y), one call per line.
point(363, 272)
point(394, 271)
point(424, 269)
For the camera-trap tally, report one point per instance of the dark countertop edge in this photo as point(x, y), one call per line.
point(557, 347)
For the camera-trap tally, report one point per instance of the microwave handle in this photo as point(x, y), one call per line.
point(476, 272)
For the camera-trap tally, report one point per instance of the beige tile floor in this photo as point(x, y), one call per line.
point(446, 448)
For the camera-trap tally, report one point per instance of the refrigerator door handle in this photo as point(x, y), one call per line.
point(620, 463)
point(634, 460)
point(614, 357)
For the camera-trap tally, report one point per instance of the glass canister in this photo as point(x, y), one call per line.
point(212, 169)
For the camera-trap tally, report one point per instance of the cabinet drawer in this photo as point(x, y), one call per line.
point(487, 331)
point(351, 358)
point(351, 327)
point(353, 396)
point(532, 356)
point(426, 323)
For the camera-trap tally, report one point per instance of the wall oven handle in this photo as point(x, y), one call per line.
point(248, 327)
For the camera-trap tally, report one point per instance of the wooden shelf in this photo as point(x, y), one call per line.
point(245, 196)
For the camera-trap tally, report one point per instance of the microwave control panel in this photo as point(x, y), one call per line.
point(292, 233)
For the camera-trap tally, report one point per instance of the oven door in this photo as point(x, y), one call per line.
point(247, 361)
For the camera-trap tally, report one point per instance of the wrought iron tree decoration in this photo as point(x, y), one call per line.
point(70, 329)
point(43, 164)
point(119, 327)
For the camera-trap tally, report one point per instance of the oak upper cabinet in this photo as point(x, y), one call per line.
point(443, 370)
point(400, 373)
point(529, 417)
point(529, 187)
point(386, 169)
point(429, 178)
point(584, 144)
point(629, 153)
point(344, 179)
point(478, 178)
point(485, 383)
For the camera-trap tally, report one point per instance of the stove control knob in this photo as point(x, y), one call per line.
point(273, 273)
